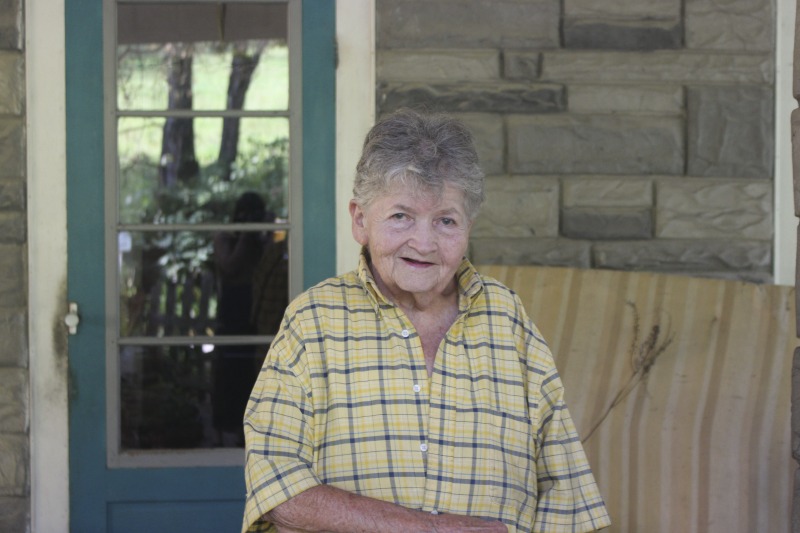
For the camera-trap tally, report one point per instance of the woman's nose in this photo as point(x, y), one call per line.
point(423, 239)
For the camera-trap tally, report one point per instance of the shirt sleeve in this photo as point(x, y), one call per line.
point(279, 431)
point(568, 497)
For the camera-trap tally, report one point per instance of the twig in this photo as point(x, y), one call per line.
point(643, 357)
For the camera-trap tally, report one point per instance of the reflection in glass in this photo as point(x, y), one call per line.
point(216, 56)
point(202, 94)
point(184, 397)
point(202, 283)
point(183, 173)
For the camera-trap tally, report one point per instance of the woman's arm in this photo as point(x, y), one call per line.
point(325, 508)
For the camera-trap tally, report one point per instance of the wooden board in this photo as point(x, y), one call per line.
point(701, 442)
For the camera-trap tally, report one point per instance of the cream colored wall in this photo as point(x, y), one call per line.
point(47, 263)
point(355, 111)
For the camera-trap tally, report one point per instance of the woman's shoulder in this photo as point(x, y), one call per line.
point(497, 292)
point(502, 301)
point(336, 291)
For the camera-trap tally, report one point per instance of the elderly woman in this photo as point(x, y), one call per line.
point(413, 394)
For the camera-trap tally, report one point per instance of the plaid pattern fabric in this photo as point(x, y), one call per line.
point(344, 398)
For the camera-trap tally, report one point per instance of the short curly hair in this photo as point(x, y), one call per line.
point(419, 150)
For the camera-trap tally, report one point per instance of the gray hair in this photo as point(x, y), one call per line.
point(420, 151)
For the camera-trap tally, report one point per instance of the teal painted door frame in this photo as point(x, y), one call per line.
point(179, 499)
point(319, 141)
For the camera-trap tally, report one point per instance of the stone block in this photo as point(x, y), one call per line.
point(603, 223)
point(607, 191)
point(650, 99)
point(595, 144)
point(635, 9)
point(521, 64)
point(438, 65)
point(519, 206)
point(12, 147)
point(764, 278)
point(12, 83)
point(12, 194)
point(530, 251)
point(473, 97)
point(11, 36)
point(796, 61)
point(13, 400)
point(14, 514)
point(13, 331)
point(488, 132)
point(795, 124)
point(623, 34)
point(13, 465)
point(12, 227)
point(796, 405)
point(684, 255)
point(660, 66)
point(12, 283)
point(709, 208)
point(735, 25)
point(730, 131)
point(467, 23)
point(795, 527)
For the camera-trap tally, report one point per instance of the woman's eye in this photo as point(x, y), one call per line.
point(448, 221)
point(399, 216)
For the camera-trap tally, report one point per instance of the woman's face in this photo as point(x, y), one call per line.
point(416, 240)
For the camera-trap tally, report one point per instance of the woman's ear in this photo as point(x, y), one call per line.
point(358, 218)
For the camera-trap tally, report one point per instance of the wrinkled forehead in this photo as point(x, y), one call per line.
point(419, 191)
point(449, 200)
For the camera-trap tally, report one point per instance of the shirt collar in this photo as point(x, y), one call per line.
point(377, 299)
point(470, 284)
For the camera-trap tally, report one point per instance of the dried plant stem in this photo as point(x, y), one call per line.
point(643, 357)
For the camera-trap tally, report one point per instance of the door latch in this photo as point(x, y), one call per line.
point(72, 319)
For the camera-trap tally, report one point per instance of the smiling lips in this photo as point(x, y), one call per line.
point(415, 262)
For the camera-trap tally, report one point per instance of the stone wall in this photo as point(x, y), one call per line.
point(621, 134)
point(14, 414)
point(794, 121)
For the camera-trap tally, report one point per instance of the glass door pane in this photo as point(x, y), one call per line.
point(202, 217)
point(160, 185)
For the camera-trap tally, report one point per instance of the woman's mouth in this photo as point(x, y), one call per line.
point(416, 262)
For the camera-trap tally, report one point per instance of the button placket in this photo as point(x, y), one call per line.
point(439, 459)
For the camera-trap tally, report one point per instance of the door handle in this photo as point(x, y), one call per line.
point(72, 319)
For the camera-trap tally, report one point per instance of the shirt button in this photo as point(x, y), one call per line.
point(417, 388)
point(404, 333)
point(423, 447)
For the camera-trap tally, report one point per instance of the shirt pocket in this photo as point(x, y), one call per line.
point(514, 491)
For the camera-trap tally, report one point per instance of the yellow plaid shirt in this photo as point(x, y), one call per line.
point(344, 398)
